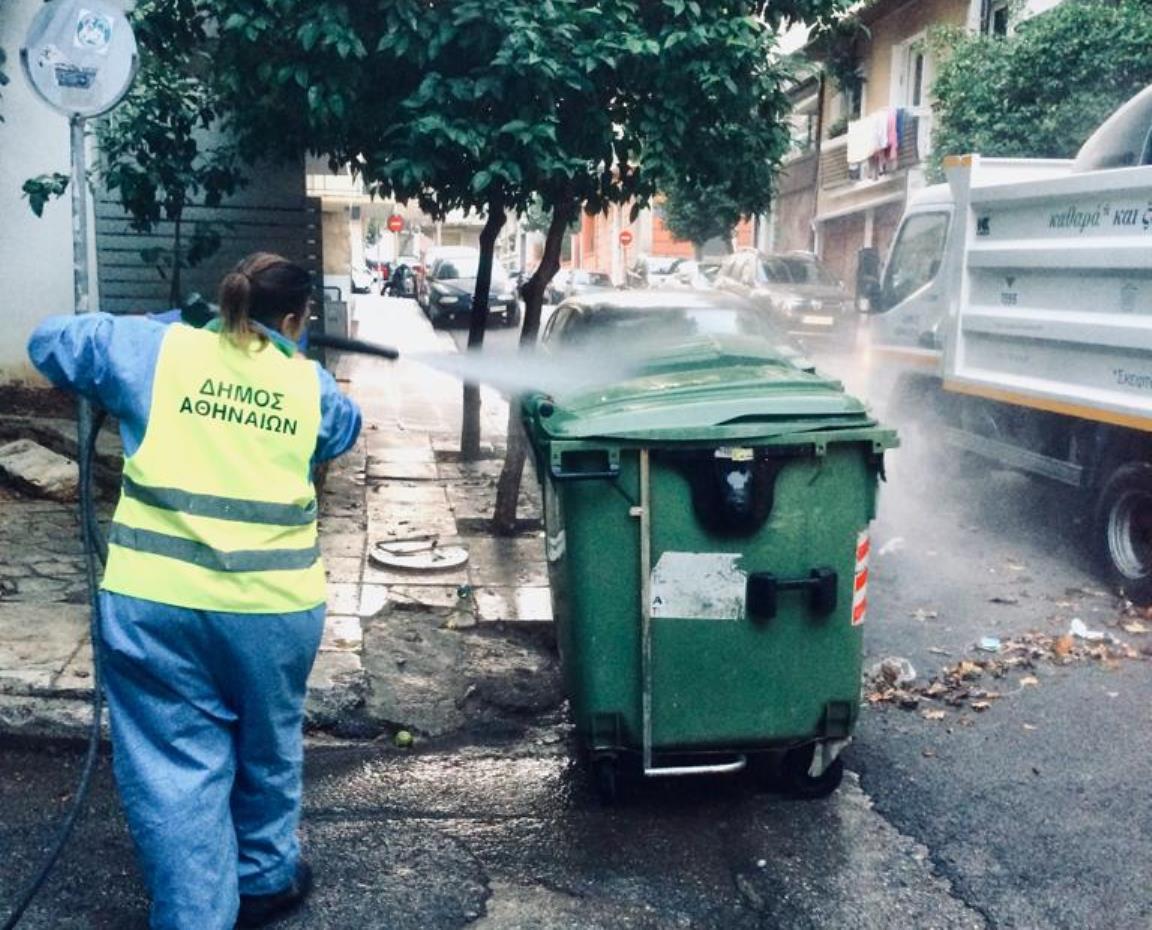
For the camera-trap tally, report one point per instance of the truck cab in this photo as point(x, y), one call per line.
point(910, 299)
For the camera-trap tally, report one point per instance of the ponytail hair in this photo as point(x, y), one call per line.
point(263, 288)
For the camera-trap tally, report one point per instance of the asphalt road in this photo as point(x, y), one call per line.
point(1030, 814)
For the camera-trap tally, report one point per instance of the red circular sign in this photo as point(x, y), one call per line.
point(625, 237)
point(395, 223)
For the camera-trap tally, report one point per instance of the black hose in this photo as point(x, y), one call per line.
point(87, 426)
point(328, 341)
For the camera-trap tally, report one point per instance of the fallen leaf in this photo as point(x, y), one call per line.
point(933, 714)
point(1135, 627)
point(1029, 726)
point(980, 706)
point(1063, 646)
point(937, 651)
point(1003, 599)
point(1029, 680)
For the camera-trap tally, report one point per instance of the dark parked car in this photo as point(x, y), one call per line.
point(630, 321)
point(446, 290)
point(794, 289)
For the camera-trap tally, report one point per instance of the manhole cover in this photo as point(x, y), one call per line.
point(417, 554)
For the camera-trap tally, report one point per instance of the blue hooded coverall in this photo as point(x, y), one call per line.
point(206, 708)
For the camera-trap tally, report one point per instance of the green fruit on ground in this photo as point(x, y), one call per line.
point(403, 739)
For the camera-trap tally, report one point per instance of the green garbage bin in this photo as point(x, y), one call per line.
point(707, 539)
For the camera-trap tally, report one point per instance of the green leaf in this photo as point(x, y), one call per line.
point(40, 190)
point(308, 34)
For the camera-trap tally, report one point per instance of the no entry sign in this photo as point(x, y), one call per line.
point(395, 223)
point(626, 237)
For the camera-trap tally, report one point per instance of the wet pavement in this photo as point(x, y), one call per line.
point(1032, 813)
point(509, 836)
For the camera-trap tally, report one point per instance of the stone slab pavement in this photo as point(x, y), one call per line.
point(402, 479)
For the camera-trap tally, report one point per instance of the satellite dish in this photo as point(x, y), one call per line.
point(80, 56)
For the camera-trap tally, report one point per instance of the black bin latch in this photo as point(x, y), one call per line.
point(763, 588)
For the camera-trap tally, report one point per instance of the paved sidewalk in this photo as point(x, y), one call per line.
point(402, 479)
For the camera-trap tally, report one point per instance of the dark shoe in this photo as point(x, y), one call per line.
point(259, 910)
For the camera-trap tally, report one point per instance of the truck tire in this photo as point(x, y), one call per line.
point(1122, 530)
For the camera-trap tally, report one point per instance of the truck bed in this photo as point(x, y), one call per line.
point(1054, 293)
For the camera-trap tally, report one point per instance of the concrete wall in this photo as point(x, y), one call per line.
point(898, 23)
point(795, 206)
point(598, 247)
point(35, 254)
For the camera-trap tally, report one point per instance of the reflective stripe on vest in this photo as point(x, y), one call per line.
point(217, 510)
point(223, 508)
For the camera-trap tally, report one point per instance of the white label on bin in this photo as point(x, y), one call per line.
point(698, 586)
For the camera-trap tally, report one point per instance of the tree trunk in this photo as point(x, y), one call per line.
point(478, 322)
point(698, 251)
point(508, 487)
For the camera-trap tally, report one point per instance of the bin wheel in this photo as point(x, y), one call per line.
point(606, 776)
point(1122, 530)
point(796, 781)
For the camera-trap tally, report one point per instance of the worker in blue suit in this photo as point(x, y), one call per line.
point(212, 602)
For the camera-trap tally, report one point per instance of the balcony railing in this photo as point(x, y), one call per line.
point(835, 170)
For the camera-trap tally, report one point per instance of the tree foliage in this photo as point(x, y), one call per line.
point(154, 156)
point(489, 105)
point(1042, 91)
point(697, 214)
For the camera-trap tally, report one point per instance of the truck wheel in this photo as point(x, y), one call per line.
point(796, 781)
point(1122, 530)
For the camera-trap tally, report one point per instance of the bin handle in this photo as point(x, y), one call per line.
point(711, 768)
point(561, 475)
point(762, 589)
point(606, 464)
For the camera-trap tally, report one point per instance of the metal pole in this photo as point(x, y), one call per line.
point(80, 279)
point(79, 216)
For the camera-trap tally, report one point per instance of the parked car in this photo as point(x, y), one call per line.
point(362, 280)
point(569, 282)
point(449, 281)
point(696, 275)
point(428, 259)
point(794, 289)
point(633, 320)
point(652, 271)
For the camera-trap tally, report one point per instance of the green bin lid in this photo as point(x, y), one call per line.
point(711, 388)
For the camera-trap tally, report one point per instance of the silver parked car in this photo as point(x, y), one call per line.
point(634, 321)
point(794, 290)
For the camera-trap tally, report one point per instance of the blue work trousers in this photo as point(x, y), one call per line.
point(206, 711)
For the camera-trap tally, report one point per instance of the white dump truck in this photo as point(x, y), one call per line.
point(1017, 301)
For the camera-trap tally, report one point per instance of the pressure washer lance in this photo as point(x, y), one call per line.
point(326, 341)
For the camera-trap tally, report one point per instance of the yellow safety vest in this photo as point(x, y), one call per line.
point(217, 509)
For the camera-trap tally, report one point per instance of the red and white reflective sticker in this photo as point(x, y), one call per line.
point(860, 582)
